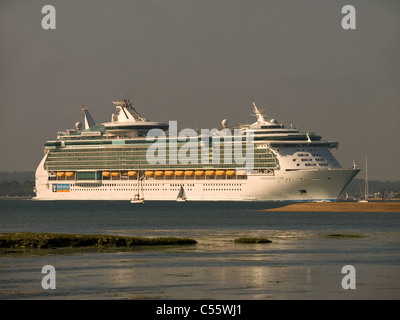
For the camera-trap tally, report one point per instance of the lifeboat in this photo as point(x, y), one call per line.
point(106, 173)
point(149, 173)
point(242, 172)
point(70, 174)
point(132, 173)
point(169, 173)
point(230, 172)
point(199, 173)
point(179, 172)
point(115, 174)
point(189, 173)
point(61, 174)
point(210, 172)
point(159, 173)
point(220, 172)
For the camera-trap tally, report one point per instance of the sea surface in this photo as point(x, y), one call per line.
point(303, 261)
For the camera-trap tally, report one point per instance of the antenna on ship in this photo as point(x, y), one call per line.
point(258, 113)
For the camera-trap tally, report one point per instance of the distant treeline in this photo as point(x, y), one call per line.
point(16, 189)
point(17, 184)
point(19, 176)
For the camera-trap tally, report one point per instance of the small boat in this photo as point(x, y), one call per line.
point(137, 198)
point(181, 195)
point(365, 200)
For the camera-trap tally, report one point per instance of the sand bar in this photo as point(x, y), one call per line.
point(340, 207)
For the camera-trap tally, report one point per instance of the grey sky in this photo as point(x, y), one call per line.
point(200, 61)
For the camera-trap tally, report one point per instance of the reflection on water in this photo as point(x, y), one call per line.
point(290, 267)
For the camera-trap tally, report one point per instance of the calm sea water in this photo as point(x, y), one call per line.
point(301, 262)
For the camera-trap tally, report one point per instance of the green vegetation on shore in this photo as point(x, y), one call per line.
point(59, 240)
point(252, 240)
point(344, 236)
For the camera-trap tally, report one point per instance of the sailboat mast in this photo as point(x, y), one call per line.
point(366, 178)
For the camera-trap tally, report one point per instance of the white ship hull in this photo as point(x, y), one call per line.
point(300, 185)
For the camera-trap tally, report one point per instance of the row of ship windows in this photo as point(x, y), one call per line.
point(223, 184)
point(314, 164)
point(116, 160)
point(311, 149)
point(114, 156)
point(127, 189)
point(156, 189)
point(143, 154)
point(125, 185)
point(308, 154)
point(318, 160)
point(144, 164)
point(222, 189)
point(86, 185)
point(308, 159)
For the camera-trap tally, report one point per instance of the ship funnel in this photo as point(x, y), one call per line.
point(89, 122)
point(126, 112)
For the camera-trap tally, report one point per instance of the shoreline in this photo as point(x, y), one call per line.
point(339, 207)
point(16, 197)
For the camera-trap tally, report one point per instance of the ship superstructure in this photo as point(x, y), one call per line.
point(107, 161)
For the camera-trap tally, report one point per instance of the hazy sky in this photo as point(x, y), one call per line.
point(200, 61)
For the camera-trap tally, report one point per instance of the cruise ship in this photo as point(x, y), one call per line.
point(110, 161)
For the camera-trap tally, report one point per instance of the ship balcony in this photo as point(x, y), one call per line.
point(126, 175)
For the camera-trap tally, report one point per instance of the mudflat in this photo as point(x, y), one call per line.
point(340, 207)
